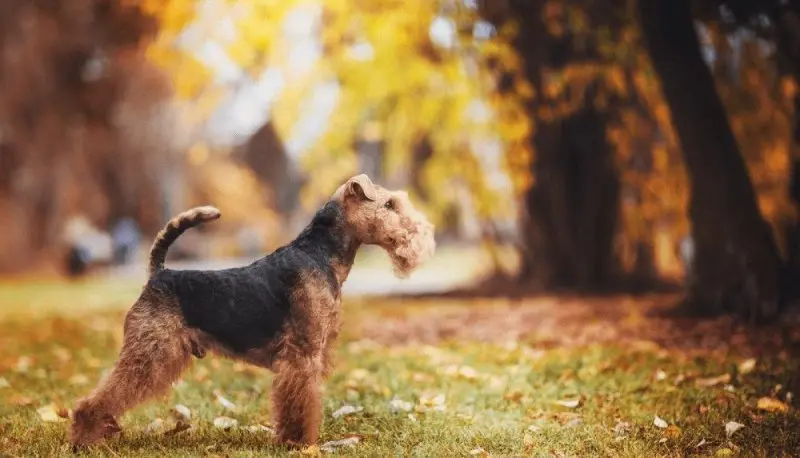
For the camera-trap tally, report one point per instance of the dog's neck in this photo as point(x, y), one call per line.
point(327, 240)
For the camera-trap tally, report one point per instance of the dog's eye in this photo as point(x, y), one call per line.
point(389, 205)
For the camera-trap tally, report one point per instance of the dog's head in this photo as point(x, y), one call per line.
point(378, 216)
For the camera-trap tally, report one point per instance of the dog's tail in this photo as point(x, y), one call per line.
point(174, 228)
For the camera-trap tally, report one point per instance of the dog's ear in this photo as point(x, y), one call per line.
point(360, 186)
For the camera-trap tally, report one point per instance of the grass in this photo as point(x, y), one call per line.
point(498, 399)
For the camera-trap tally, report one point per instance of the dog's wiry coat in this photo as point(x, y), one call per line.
point(281, 312)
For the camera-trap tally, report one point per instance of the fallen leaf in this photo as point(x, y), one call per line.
point(660, 375)
point(479, 452)
point(155, 426)
point(331, 446)
point(747, 366)
point(660, 422)
point(49, 413)
point(680, 378)
point(4, 383)
point(622, 428)
point(662, 440)
point(259, 429)
point(672, 432)
point(346, 410)
point(731, 427)
point(771, 405)
point(181, 412)
point(724, 452)
point(432, 402)
point(570, 403)
point(713, 381)
point(225, 422)
point(701, 443)
point(224, 401)
point(398, 405)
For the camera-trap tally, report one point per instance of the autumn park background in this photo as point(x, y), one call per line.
point(615, 186)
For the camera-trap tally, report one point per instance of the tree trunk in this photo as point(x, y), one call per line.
point(571, 212)
point(788, 27)
point(573, 209)
point(736, 260)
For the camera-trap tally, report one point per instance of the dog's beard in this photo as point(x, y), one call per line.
point(413, 250)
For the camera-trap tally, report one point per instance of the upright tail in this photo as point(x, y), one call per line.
point(174, 228)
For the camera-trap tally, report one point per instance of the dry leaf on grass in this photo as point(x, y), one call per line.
point(181, 412)
point(701, 443)
point(398, 405)
point(346, 410)
point(465, 372)
point(660, 375)
point(513, 396)
point(51, 413)
point(622, 428)
point(224, 401)
point(713, 381)
point(672, 432)
point(259, 429)
point(569, 403)
point(747, 366)
point(430, 402)
point(155, 426)
point(660, 422)
point(731, 427)
point(331, 446)
point(772, 405)
point(225, 422)
point(479, 451)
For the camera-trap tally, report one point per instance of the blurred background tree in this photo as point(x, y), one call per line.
point(595, 137)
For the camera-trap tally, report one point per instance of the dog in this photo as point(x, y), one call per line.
point(280, 312)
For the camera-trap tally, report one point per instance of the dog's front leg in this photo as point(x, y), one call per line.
point(297, 400)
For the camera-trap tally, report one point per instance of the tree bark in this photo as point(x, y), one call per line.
point(571, 212)
point(787, 24)
point(736, 263)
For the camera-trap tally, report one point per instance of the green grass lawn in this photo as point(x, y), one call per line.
point(451, 398)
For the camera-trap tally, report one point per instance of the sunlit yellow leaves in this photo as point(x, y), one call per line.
point(772, 405)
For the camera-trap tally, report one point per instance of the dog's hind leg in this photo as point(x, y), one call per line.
point(155, 351)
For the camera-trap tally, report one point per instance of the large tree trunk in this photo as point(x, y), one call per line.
point(736, 260)
point(788, 27)
point(572, 210)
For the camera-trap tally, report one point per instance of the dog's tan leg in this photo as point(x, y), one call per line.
point(297, 402)
point(154, 353)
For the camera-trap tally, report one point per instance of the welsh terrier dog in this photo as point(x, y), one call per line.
point(281, 312)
